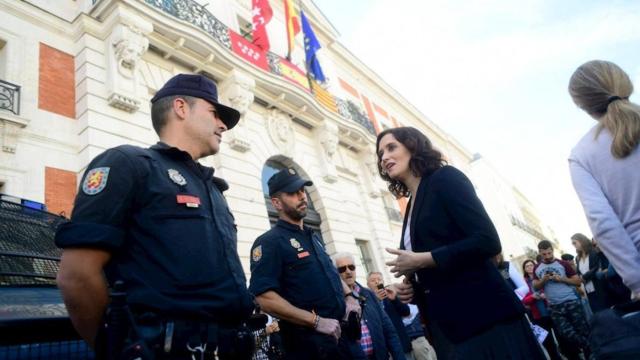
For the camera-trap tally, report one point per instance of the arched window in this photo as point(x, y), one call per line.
point(312, 219)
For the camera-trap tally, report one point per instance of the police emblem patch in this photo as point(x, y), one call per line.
point(295, 243)
point(95, 181)
point(256, 254)
point(176, 177)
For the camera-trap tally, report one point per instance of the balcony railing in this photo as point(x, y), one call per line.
point(527, 228)
point(10, 97)
point(197, 15)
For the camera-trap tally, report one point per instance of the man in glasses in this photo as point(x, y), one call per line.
point(378, 338)
point(294, 280)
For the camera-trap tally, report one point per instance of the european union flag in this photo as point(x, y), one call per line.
point(311, 47)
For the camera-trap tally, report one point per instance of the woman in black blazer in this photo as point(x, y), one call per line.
point(445, 255)
point(587, 257)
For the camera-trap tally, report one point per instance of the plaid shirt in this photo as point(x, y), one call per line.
point(366, 342)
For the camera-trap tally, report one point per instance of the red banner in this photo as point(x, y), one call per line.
point(262, 14)
point(248, 51)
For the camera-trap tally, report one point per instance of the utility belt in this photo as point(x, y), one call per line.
point(129, 335)
point(151, 337)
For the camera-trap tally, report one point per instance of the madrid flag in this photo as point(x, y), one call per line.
point(262, 13)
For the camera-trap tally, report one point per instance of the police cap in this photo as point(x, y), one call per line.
point(201, 87)
point(286, 180)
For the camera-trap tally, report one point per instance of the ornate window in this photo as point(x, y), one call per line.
point(364, 251)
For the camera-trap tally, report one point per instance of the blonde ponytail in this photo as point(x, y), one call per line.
point(602, 89)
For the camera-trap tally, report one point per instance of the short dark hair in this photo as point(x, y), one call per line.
point(544, 245)
point(566, 257)
point(161, 107)
point(425, 159)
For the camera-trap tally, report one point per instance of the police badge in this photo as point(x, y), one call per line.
point(176, 177)
point(256, 254)
point(296, 245)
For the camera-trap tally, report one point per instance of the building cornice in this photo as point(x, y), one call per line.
point(34, 14)
point(195, 48)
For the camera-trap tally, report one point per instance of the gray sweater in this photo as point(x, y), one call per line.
point(609, 190)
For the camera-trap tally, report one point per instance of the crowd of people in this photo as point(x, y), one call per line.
point(156, 222)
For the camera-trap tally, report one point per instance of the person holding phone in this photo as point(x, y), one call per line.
point(558, 279)
point(378, 338)
point(392, 305)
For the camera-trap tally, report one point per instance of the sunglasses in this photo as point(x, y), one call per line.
point(342, 269)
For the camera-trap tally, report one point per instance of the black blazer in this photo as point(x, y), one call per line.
point(465, 293)
point(594, 265)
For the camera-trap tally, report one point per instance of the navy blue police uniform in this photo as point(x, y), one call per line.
point(293, 262)
point(165, 221)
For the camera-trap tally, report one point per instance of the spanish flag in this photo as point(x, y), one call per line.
point(293, 25)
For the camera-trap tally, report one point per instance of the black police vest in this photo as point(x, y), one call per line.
point(180, 257)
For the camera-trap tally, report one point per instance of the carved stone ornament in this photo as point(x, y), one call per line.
point(10, 126)
point(280, 131)
point(328, 138)
point(237, 89)
point(126, 45)
point(9, 131)
point(374, 183)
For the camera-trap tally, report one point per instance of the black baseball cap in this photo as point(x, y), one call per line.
point(286, 180)
point(201, 87)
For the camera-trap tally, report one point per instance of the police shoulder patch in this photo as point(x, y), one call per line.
point(256, 254)
point(95, 181)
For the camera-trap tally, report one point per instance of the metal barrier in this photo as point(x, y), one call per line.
point(33, 320)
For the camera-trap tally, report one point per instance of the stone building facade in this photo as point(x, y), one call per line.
point(77, 77)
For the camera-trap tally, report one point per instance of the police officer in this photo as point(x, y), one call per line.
point(294, 279)
point(156, 219)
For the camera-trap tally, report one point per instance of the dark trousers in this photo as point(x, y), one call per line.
point(571, 324)
point(596, 301)
point(301, 343)
point(510, 339)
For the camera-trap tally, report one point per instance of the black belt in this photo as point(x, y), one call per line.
point(169, 338)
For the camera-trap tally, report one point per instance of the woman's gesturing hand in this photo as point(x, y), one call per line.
point(407, 262)
point(404, 291)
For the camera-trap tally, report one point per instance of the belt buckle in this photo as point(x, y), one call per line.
point(197, 349)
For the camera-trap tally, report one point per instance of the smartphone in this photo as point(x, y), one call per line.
point(380, 286)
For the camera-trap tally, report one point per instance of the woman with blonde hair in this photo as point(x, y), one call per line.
point(605, 164)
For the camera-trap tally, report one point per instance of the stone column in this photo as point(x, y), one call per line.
point(237, 89)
